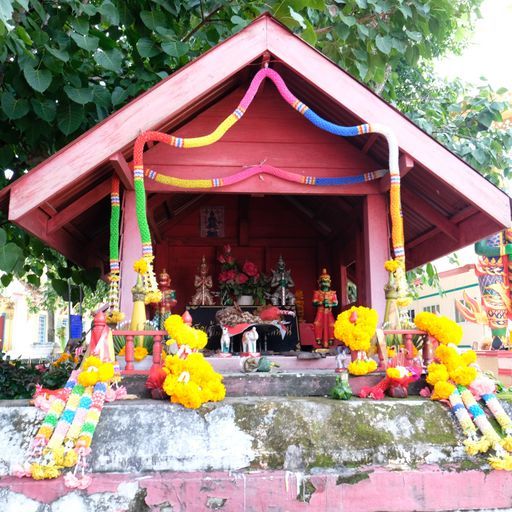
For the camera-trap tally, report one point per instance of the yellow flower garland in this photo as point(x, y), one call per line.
point(391, 265)
point(139, 353)
point(362, 366)
point(356, 326)
point(440, 327)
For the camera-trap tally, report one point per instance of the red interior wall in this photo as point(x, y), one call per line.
point(259, 229)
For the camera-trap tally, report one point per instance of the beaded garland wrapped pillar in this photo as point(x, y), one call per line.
point(139, 171)
point(114, 315)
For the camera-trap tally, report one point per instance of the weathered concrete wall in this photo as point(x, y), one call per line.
point(269, 453)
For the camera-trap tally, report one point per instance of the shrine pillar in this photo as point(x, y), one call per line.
point(130, 250)
point(376, 251)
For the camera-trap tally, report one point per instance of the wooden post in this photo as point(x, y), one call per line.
point(97, 329)
point(157, 350)
point(131, 250)
point(409, 348)
point(376, 251)
point(129, 352)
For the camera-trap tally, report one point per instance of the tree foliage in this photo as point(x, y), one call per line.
point(66, 65)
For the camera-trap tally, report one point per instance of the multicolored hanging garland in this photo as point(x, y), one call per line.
point(114, 314)
point(397, 233)
point(456, 378)
point(65, 435)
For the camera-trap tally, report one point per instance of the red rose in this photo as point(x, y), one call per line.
point(241, 278)
point(231, 275)
point(221, 259)
point(250, 269)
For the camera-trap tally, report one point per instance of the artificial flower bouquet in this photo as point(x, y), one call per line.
point(236, 280)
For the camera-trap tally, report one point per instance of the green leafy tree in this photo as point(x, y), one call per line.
point(69, 64)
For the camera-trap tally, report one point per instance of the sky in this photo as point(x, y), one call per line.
point(489, 52)
point(488, 55)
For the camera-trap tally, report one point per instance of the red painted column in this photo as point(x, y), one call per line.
point(131, 250)
point(129, 352)
point(157, 350)
point(376, 251)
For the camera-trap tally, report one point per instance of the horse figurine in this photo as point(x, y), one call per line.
point(249, 339)
point(225, 341)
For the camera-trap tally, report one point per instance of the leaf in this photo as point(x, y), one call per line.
point(80, 25)
point(33, 279)
point(309, 35)
point(23, 3)
point(405, 10)
point(58, 54)
point(6, 10)
point(384, 44)
point(6, 279)
point(110, 59)
point(102, 96)
point(153, 19)
point(86, 42)
point(81, 96)
point(297, 17)
point(12, 107)
point(3, 237)
point(70, 117)
point(45, 110)
point(61, 288)
point(38, 79)
point(109, 12)
point(175, 48)
point(362, 67)
point(10, 256)
point(415, 36)
point(23, 35)
point(119, 95)
point(147, 48)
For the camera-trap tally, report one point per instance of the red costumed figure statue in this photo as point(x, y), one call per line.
point(324, 299)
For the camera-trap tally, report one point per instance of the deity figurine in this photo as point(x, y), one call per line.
point(282, 281)
point(203, 283)
point(168, 301)
point(249, 339)
point(324, 299)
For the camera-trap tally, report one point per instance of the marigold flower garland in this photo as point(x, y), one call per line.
point(451, 375)
point(191, 380)
point(65, 435)
point(356, 327)
point(440, 327)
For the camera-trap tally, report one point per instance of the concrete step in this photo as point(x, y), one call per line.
point(277, 383)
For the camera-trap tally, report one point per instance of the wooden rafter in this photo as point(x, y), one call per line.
point(79, 206)
point(430, 214)
point(455, 219)
point(405, 164)
point(122, 169)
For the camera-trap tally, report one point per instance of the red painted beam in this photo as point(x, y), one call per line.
point(122, 169)
point(36, 224)
point(79, 206)
point(148, 111)
point(405, 164)
point(320, 72)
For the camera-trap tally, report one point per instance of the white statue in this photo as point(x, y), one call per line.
point(249, 339)
point(225, 340)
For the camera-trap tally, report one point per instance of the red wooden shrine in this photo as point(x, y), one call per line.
point(446, 204)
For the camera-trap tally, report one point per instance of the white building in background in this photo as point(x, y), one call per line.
point(455, 282)
point(24, 333)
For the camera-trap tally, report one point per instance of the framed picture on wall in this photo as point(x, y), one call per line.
point(212, 222)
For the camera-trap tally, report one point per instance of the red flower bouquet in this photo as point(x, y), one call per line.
point(235, 280)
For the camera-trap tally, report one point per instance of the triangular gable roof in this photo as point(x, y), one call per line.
point(200, 83)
